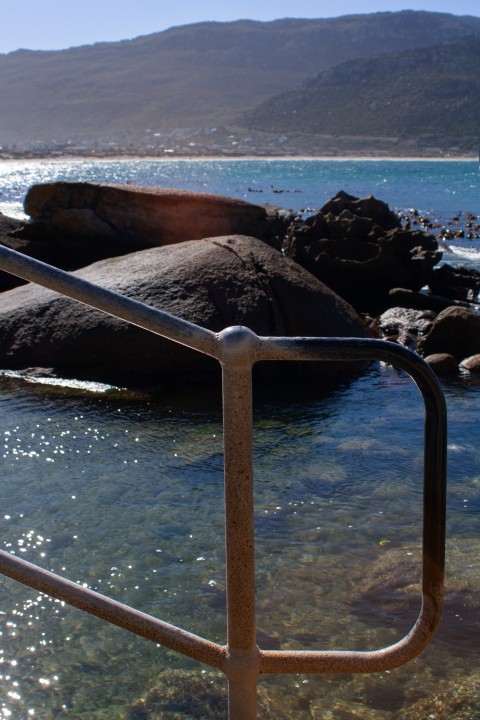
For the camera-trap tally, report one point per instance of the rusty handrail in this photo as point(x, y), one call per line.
point(237, 349)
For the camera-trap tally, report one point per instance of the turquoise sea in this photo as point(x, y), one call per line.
point(125, 495)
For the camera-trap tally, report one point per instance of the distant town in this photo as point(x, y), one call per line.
point(226, 142)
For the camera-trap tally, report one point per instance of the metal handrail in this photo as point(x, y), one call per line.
point(237, 349)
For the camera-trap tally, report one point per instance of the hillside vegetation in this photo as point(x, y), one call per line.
point(431, 92)
point(175, 88)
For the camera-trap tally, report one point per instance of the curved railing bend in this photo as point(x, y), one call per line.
point(237, 349)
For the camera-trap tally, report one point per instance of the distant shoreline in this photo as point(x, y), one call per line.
point(237, 158)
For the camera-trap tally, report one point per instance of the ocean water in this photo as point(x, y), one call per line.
point(440, 190)
point(125, 494)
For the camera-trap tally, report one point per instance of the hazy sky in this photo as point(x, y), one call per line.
point(57, 24)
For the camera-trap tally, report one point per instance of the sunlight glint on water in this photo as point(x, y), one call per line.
point(127, 497)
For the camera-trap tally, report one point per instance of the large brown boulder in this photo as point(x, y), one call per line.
point(357, 248)
point(213, 282)
point(83, 222)
point(456, 331)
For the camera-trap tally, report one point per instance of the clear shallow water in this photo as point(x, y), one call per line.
point(127, 497)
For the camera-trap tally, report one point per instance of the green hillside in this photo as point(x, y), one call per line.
point(432, 91)
point(193, 77)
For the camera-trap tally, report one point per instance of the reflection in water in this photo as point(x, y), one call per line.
point(126, 496)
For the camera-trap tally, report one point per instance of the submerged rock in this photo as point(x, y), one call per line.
point(460, 701)
point(182, 695)
point(213, 282)
point(390, 588)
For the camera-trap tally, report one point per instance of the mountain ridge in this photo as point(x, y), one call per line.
point(392, 94)
point(167, 90)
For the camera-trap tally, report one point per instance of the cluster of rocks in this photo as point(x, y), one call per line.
point(352, 269)
point(390, 273)
point(210, 260)
point(359, 249)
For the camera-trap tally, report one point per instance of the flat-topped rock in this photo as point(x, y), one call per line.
point(106, 219)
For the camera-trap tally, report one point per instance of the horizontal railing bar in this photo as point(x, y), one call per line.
point(238, 349)
point(113, 611)
point(353, 661)
point(109, 302)
point(339, 348)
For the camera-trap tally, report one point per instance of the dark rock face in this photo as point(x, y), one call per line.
point(357, 247)
point(455, 331)
point(214, 282)
point(8, 224)
point(399, 297)
point(84, 222)
point(457, 283)
point(368, 207)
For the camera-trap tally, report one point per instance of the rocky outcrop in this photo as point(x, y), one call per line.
point(455, 331)
point(471, 365)
point(456, 283)
point(74, 224)
point(357, 247)
point(214, 282)
point(368, 207)
point(405, 325)
point(91, 221)
point(399, 297)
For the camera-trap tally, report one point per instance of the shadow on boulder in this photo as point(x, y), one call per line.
point(213, 282)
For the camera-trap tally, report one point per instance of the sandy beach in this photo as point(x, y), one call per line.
point(237, 158)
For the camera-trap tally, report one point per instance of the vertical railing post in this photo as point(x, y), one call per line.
point(237, 349)
point(243, 656)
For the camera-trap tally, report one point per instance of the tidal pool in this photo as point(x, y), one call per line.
point(125, 495)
